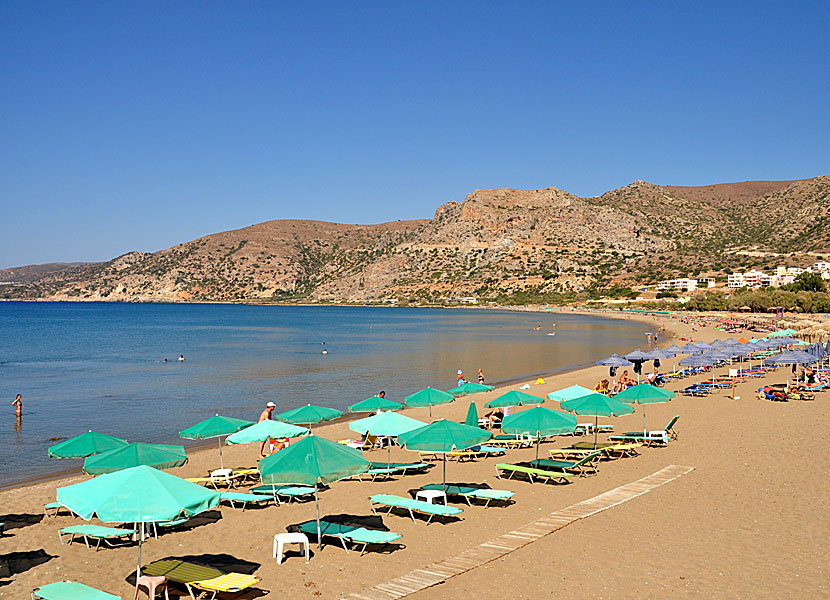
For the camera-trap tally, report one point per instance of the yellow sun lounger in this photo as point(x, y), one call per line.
point(202, 578)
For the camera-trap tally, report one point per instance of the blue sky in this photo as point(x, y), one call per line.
point(138, 125)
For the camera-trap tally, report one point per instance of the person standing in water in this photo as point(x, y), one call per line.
point(481, 377)
point(18, 405)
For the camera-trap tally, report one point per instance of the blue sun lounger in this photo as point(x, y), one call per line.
point(351, 533)
point(291, 491)
point(108, 535)
point(473, 493)
point(243, 499)
point(413, 506)
point(70, 590)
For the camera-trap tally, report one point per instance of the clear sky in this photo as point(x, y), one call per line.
point(138, 125)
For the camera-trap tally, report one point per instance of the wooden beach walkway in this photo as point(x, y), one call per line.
point(439, 572)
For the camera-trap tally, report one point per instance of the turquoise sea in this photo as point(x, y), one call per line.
point(82, 366)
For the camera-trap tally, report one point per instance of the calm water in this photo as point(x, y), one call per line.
point(99, 366)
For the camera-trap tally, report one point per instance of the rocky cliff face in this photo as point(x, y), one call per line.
point(498, 241)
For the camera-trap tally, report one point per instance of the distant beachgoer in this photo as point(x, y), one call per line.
point(265, 415)
point(495, 416)
point(459, 378)
point(181, 357)
point(381, 394)
point(18, 405)
point(481, 377)
point(325, 351)
point(165, 360)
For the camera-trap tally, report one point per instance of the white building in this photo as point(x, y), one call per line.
point(678, 285)
point(706, 282)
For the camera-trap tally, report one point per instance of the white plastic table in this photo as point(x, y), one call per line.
point(281, 539)
point(431, 495)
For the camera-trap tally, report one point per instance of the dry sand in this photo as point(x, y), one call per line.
point(751, 521)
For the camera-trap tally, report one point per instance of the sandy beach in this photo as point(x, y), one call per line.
point(750, 521)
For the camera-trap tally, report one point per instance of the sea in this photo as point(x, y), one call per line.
point(114, 368)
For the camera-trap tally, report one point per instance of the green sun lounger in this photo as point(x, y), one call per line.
point(290, 491)
point(584, 466)
point(243, 499)
point(199, 578)
point(57, 507)
point(352, 533)
point(402, 467)
point(531, 472)
point(70, 590)
point(473, 493)
point(651, 438)
point(413, 506)
point(108, 535)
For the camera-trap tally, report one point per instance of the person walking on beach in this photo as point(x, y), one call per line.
point(481, 377)
point(459, 377)
point(265, 415)
point(18, 405)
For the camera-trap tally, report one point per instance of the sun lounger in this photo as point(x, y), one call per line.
point(413, 506)
point(244, 474)
point(473, 493)
point(371, 442)
point(531, 472)
point(669, 429)
point(289, 491)
point(229, 480)
point(108, 535)
point(511, 441)
point(401, 467)
point(200, 578)
point(695, 390)
point(351, 533)
point(70, 590)
point(57, 507)
point(244, 499)
point(587, 465)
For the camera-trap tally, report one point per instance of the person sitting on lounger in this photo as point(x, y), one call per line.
point(495, 416)
point(603, 387)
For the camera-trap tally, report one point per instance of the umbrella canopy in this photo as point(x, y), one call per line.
point(717, 344)
point(569, 393)
point(386, 424)
point(472, 415)
point(215, 427)
point(310, 461)
point(615, 360)
point(470, 388)
point(673, 349)
point(658, 354)
point(696, 360)
point(429, 397)
point(160, 456)
point(596, 405)
point(644, 393)
point(689, 348)
point(793, 357)
point(703, 345)
point(637, 355)
point(308, 414)
point(539, 421)
point(374, 404)
point(513, 398)
point(265, 430)
point(86, 444)
point(443, 436)
point(137, 495)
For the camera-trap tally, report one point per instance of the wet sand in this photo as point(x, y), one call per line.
point(750, 521)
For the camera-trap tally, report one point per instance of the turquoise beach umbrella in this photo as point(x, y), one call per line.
point(160, 456)
point(472, 415)
point(539, 421)
point(374, 404)
point(86, 444)
point(443, 436)
point(386, 424)
point(310, 461)
point(215, 427)
point(470, 388)
point(429, 397)
point(514, 398)
point(569, 393)
point(265, 430)
point(137, 495)
point(308, 414)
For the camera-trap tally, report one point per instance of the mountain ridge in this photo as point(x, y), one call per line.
point(495, 243)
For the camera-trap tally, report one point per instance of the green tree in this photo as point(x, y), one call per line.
point(807, 282)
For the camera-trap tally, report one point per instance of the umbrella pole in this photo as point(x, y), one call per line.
point(538, 440)
point(221, 462)
point(444, 484)
point(317, 504)
point(596, 420)
point(138, 567)
point(644, 419)
point(388, 453)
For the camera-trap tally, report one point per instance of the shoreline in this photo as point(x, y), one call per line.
point(196, 447)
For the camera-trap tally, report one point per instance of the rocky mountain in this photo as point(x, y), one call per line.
point(496, 243)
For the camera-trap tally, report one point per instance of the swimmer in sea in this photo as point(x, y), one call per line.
point(181, 357)
point(18, 405)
